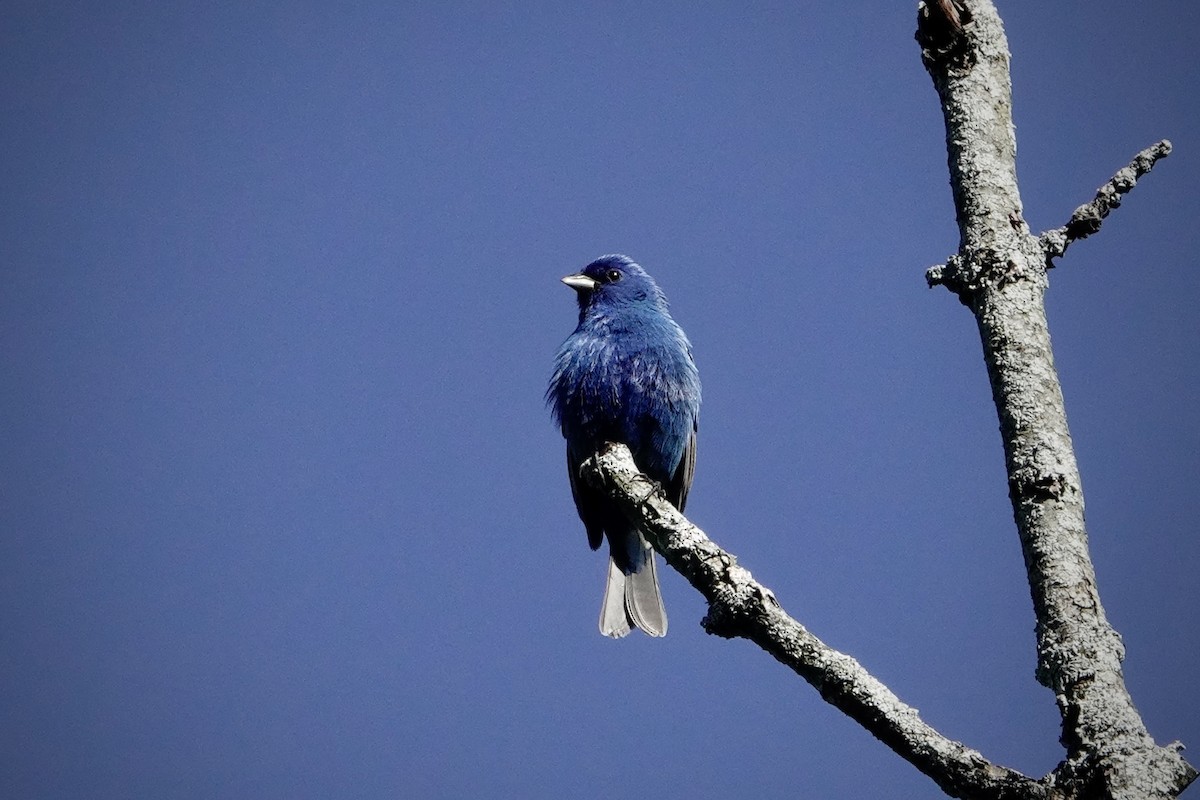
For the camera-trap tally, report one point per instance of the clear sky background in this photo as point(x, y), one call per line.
point(282, 513)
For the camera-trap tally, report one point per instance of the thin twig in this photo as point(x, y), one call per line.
point(1087, 218)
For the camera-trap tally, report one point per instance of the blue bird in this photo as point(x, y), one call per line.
point(626, 375)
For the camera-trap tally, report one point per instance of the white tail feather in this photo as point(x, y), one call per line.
point(614, 621)
point(643, 599)
point(633, 601)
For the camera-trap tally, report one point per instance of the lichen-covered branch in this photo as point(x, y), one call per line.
point(1087, 218)
point(999, 272)
point(740, 606)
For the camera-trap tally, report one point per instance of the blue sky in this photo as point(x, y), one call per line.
point(282, 514)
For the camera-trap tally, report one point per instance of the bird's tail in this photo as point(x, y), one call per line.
point(633, 600)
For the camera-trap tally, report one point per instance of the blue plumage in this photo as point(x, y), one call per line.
point(626, 375)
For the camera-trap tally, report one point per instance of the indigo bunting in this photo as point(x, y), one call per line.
point(626, 375)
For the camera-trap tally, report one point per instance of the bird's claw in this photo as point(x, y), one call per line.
point(655, 488)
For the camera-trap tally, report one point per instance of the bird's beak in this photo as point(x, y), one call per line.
point(580, 283)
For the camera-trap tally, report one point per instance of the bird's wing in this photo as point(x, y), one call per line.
point(681, 481)
point(585, 502)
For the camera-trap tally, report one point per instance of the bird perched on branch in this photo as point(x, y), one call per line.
point(626, 375)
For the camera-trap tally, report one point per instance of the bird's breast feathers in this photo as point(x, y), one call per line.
point(600, 379)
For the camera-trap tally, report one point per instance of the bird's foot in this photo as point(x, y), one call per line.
point(655, 488)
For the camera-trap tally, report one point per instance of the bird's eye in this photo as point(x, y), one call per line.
point(613, 275)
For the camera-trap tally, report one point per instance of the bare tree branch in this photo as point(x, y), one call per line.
point(740, 606)
point(999, 272)
point(1087, 218)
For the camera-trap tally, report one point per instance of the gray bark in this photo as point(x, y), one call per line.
point(740, 606)
point(1000, 273)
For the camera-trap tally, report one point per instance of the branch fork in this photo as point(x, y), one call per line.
point(961, 275)
point(1000, 273)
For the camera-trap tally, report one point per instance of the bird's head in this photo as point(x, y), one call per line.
point(614, 281)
